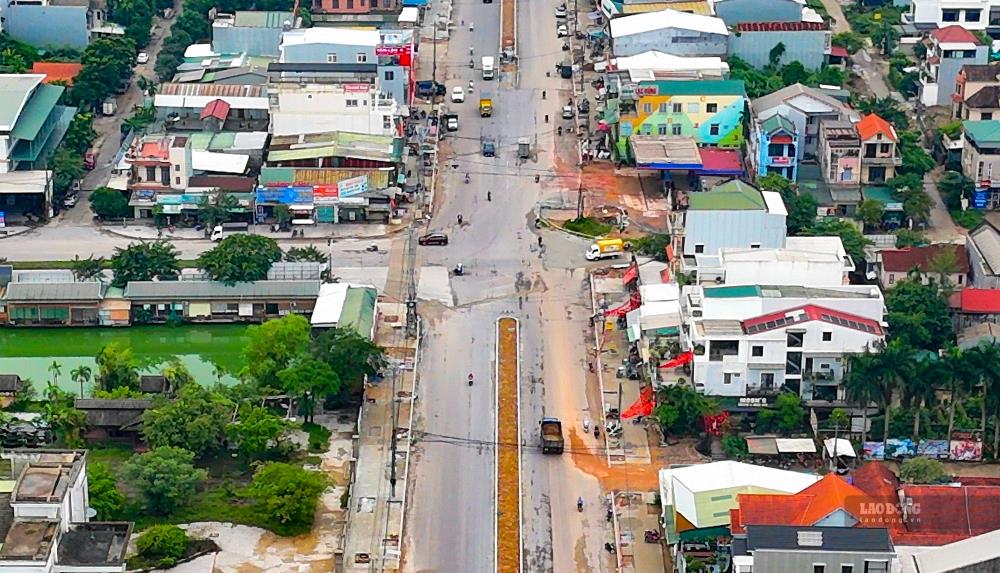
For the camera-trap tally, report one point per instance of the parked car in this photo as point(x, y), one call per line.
point(457, 94)
point(89, 161)
point(561, 11)
point(435, 238)
point(567, 112)
point(489, 147)
point(142, 58)
point(562, 31)
point(69, 201)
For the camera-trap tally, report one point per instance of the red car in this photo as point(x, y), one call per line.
point(89, 161)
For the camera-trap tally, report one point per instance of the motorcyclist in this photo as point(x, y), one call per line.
point(579, 504)
point(459, 218)
point(471, 26)
point(470, 378)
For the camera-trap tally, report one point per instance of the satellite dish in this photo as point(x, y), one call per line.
point(91, 513)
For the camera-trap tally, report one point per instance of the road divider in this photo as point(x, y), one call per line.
point(507, 548)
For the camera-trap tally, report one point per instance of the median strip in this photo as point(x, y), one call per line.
point(508, 451)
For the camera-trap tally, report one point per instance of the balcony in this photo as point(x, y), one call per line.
point(781, 161)
point(885, 160)
point(821, 377)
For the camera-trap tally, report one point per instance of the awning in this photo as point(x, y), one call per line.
point(762, 445)
point(841, 446)
point(417, 3)
point(795, 445)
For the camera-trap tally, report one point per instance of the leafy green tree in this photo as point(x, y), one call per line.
point(218, 209)
point(178, 376)
point(885, 36)
point(954, 187)
point(350, 355)
point(119, 393)
point(163, 544)
point(109, 203)
point(67, 168)
point(272, 347)
point(105, 497)
point(828, 76)
point(196, 421)
point(871, 211)
point(775, 55)
point(945, 263)
point(240, 258)
point(885, 107)
point(839, 418)
point(787, 414)
point(145, 262)
point(81, 375)
point(282, 216)
point(304, 254)
point(106, 62)
point(256, 431)
point(67, 422)
point(915, 158)
point(55, 369)
point(794, 73)
point(288, 494)
point(86, 269)
point(909, 238)
point(854, 241)
point(80, 134)
point(116, 368)
point(922, 471)
point(309, 379)
point(680, 409)
point(850, 41)
point(918, 315)
point(652, 246)
point(166, 478)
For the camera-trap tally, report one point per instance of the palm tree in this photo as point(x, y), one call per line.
point(919, 391)
point(81, 375)
point(55, 369)
point(861, 385)
point(983, 360)
point(893, 365)
point(961, 374)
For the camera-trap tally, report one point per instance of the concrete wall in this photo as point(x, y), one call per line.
point(673, 41)
point(980, 276)
point(735, 12)
point(807, 46)
point(764, 560)
point(48, 26)
point(948, 70)
point(319, 52)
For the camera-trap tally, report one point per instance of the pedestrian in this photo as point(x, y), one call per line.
point(489, 195)
point(539, 242)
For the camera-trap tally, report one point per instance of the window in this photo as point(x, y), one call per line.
point(794, 340)
point(819, 568)
point(767, 380)
point(150, 174)
point(693, 107)
point(960, 277)
point(390, 75)
point(754, 245)
point(876, 566)
point(675, 129)
point(827, 336)
point(722, 497)
point(885, 148)
point(946, 15)
point(386, 122)
point(362, 57)
point(986, 115)
point(809, 140)
point(647, 108)
point(717, 349)
point(973, 15)
point(677, 108)
point(892, 278)
point(350, 4)
point(699, 249)
point(727, 378)
point(663, 107)
point(351, 103)
point(757, 350)
point(711, 107)
point(713, 129)
point(331, 58)
point(846, 568)
point(177, 168)
point(661, 129)
point(177, 180)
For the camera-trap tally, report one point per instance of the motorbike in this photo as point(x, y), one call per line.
point(459, 270)
point(470, 378)
point(372, 248)
point(565, 46)
point(579, 504)
point(559, 130)
point(472, 64)
point(466, 177)
point(459, 219)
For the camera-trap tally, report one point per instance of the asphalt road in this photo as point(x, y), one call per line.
point(450, 526)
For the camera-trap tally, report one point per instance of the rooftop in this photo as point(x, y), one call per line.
point(53, 292)
point(982, 132)
point(639, 23)
point(955, 34)
point(777, 122)
point(736, 195)
point(729, 474)
point(788, 291)
point(46, 475)
point(986, 239)
point(207, 290)
point(804, 98)
point(57, 71)
point(808, 507)
point(988, 97)
point(812, 539)
point(962, 555)
point(341, 36)
point(781, 26)
point(811, 312)
point(872, 125)
point(663, 150)
point(905, 260)
point(29, 540)
point(979, 301)
point(336, 144)
point(94, 544)
point(982, 72)
point(697, 87)
point(15, 91)
point(660, 61)
point(118, 414)
point(38, 109)
point(261, 19)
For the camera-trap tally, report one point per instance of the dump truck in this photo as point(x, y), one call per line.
point(605, 249)
point(485, 105)
point(552, 437)
point(489, 70)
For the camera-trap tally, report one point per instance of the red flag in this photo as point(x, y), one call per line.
point(634, 302)
point(642, 407)
point(679, 360)
point(713, 423)
point(631, 274)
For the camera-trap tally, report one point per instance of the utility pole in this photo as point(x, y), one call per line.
point(579, 201)
point(411, 284)
point(434, 60)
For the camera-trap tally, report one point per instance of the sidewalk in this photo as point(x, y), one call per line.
point(309, 233)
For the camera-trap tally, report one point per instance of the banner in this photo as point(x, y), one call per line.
point(713, 423)
point(679, 360)
point(966, 446)
point(933, 449)
point(326, 194)
point(642, 407)
point(631, 273)
point(904, 448)
point(874, 450)
point(634, 302)
point(353, 186)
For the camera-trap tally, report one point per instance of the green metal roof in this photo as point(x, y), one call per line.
point(741, 291)
point(984, 131)
point(359, 310)
point(37, 110)
point(258, 19)
point(733, 195)
point(776, 122)
point(699, 87)
point(884, 195)
point(14, 90)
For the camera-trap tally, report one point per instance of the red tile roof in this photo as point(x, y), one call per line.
point(839, 52)
point(767, 509)
point(780, 26)
point(954, 35)
point(57, 71)
point(809, 312)
point(979, 300)
point(216, 108)
point(726, 161)
point(872, 125)
point(905, 260)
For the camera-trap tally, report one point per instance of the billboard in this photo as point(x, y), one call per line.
point(966, 446)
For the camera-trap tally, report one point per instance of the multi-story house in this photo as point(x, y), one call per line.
point(58, 23)
point(805, 107)
point(852, 155)
point(781, 548)
point(669, 31)
point(732, 215)
point(773, 147)
point(33, 123)
point(896, 265)
point(805, 42)
point(161, 165)
point(970, 14)
point(314, 108)
point(756, 340)
point(46, 525)
point(806, 261)
point(840, 153)
point(983, 246)
point(967, 101)
point(879, 156)
point(331, 10)
point(981, 161)
point(710, 111)
point(948, 50)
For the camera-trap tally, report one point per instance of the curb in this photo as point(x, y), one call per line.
point(24, 231)
point(307, 240)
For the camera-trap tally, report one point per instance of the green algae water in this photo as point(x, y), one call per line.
point(211, 352)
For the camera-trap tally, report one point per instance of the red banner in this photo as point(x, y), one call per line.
point(634, 302)
point(642, 407)
point(713, 423)
point(329, 192)
point(631, 273)
point(679, 360)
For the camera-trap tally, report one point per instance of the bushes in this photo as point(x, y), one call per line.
point(162, 545)
point(587, 226)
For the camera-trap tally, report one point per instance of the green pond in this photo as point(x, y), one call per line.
point(211, 352)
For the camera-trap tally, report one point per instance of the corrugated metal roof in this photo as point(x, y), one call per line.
point(36, 111)
point(259, 19)
point(194, 290)
point(639, 23)
point(212, 90)
point(274, 176)
point(53, 292)
point(358, 311)
point(14, 92)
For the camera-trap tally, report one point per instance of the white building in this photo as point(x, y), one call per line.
point(322, 108)
point(45, 527)
point(753, 340)
point(805, 261)
point(669, 31)
point(969, 14)
point(656, 65)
